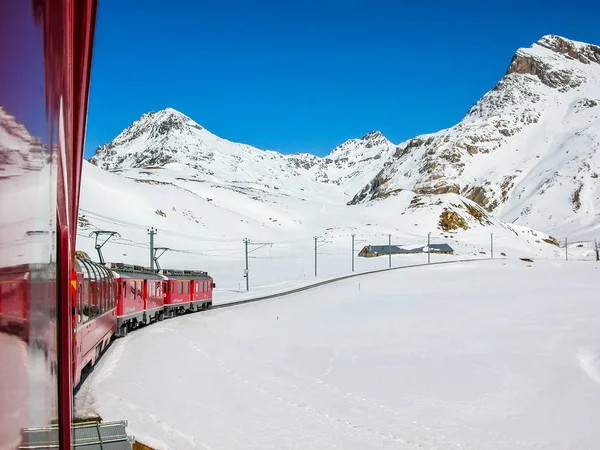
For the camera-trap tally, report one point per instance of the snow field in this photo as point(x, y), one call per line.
point(477, 355)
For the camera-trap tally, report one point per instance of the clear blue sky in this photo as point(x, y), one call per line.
point(307, 75)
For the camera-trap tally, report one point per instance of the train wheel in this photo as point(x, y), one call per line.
point(160, 316)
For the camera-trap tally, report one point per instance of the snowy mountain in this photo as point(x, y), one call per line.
point(169, 148)
point(528, 151)
point(168, 138)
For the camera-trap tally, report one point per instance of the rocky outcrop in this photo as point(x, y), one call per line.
point(525, 62)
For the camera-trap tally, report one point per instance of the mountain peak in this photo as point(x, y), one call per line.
point(372, 144)
point(562, 45)
point(169, 115)
point(556, 61)
point(372, 135)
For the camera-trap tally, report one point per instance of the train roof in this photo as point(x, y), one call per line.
point(133, 271)
point(92, 270)
point(175, 274)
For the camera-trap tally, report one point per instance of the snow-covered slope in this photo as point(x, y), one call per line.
point(528, 151)
point(204, 223)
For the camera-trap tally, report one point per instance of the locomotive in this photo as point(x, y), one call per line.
point(111, 301)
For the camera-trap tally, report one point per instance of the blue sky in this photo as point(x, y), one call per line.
point(305, 76)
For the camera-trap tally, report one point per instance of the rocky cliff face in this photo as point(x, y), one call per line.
point(526, 151)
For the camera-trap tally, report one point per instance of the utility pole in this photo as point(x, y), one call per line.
point(428, 248)
point(246, 273)
point(596, 248)
point(257, 246)
point(566, 249)
point(492, 245)
point(353, 251)
point(315, 238)
point(152, 232)
point(390, 249)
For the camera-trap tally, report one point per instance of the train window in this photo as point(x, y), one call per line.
point(171, 287)
point(180, 287)
point(94, 296)
point(79, 305)
point(123, 289)
point(132, 290)
point(98, 300)
point(139, 289)
point(102, 297)
point(86, 301)
point(149, 291)
point(186, 287)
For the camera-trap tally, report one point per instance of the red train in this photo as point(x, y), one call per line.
point(111, 301)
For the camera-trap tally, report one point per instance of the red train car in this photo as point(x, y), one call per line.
point(14, 301)
point(95, 317)
point(140, 298)
point(187, 290)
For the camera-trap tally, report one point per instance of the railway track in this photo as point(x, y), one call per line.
point(335, 280)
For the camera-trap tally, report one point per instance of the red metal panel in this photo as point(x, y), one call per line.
point(45, 61)
point(131, 300)
point(153, 297)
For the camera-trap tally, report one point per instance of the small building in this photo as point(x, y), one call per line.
point(371, 251)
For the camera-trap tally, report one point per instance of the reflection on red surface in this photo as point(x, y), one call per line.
point(45, 58)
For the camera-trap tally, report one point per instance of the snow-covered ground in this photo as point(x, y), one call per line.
point(499, 354)
point(209, 235)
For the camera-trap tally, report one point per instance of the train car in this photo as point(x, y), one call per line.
point(140, 297)
point(187, 290)
point(95, 312)
point(14, 301)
